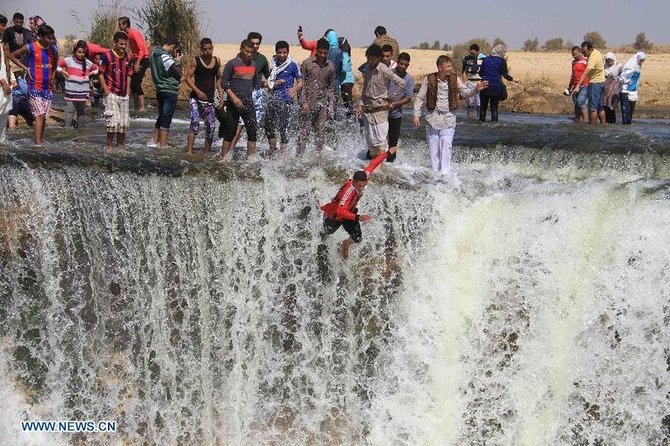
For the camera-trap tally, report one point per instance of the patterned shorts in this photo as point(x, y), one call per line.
point(40, 102)
point(116, 115)
point(204, 111)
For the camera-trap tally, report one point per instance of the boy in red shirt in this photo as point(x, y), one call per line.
point(116, 67)
point(42, 57)
point(342, 210)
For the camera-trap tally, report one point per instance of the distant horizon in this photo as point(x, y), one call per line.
point(513, 22)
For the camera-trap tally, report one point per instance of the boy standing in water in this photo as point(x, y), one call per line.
point(258, 95)
point(42, 64)
point(6, 80)
point(342, 210)
point(166, 74)
point(285, 81)
point(116, 67)
point(398, 98)
point(317, 96)
point(470, 76)
point(237, 81)
point(374, 100)
point(204, 79)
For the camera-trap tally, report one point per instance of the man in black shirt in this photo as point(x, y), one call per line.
point(470, 76)
point(16, 36)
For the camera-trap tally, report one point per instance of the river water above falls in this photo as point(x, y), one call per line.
point(524, 300)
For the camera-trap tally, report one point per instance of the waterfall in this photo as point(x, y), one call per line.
point(208, 309)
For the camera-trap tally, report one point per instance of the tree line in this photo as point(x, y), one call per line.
point(641, 43)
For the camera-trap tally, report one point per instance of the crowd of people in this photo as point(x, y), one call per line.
point(251, 92)
point(599, 85)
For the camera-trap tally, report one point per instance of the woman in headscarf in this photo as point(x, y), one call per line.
point(492, 70)
point(347, 79)
point(610, 97)
point(630, 80)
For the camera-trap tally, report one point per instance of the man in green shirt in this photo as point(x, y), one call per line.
point(166, 73)
point(595, 72)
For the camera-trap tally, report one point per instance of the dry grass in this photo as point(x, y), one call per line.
point(545, 73)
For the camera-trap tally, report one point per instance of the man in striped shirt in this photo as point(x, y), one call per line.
point(237, 81)
point(116, 67)
point(42, 64)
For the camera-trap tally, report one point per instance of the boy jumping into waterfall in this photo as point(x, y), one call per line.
point(342, 211)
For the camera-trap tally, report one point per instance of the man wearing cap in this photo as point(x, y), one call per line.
point(342, 210)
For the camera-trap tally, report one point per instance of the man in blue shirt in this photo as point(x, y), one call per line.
point(284, 82)
point(397, 99)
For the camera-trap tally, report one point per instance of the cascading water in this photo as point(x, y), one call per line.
point(203, 306)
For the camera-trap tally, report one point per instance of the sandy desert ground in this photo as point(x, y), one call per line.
point(543, 77)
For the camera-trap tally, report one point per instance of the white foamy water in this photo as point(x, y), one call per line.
point(494, 307)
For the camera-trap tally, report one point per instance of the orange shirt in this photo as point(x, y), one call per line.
point(138, 46)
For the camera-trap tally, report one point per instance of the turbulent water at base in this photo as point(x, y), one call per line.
point(523, 301)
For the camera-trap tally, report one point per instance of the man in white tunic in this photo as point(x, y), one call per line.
point(439, 94)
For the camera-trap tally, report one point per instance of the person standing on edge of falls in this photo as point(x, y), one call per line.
point(397, 99)
point(204, 79)
point(166, 73)
point(6, 80)
point(595, 71)
point(42, 63)
point(374, 100)
point(342, 210)
point(140, 52)
point(439, 93)
point(237, 82)
point(115, 70)
point(258, 95)
point(316, 96)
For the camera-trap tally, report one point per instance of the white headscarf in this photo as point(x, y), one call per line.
point(499, 50)
point(615, 69)
point(630, 75)
point(632, 66)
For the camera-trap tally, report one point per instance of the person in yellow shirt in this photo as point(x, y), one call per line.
point(595, 72)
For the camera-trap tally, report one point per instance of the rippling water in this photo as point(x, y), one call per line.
point(521, 301)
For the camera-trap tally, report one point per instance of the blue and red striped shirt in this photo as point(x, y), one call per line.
point(40, 63)
point(116, 71)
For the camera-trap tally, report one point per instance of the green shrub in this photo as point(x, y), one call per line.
point(554, 44)
point(172, 18)
point(596, 39)
point(498, 41)
point(104, 22)
point(641, 43)
point(531, 44)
